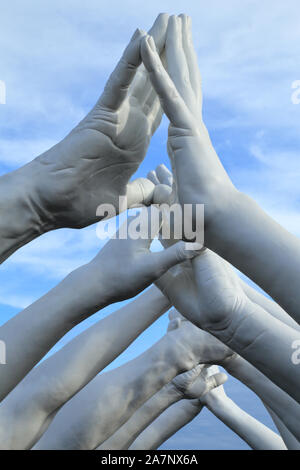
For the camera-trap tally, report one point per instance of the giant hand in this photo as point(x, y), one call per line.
point(195, 345)
point(94, 163)
point(196, 383)
point(199, 175)
point(235, 226)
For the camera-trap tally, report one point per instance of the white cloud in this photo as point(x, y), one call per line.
point(55, 58)
point(57, 253)
point(14, 153)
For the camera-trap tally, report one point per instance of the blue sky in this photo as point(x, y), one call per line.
point(55, 58)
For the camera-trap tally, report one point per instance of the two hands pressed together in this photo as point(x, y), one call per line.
point(66, 401)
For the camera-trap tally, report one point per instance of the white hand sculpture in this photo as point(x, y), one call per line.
point(164, 194)
point(195, 383)
point(199, 175)
point(182, 412)
point(110, 399)
point(93, 164)
point(202, 347)
point(56, 379)
point(235, 227)
point(179, 285)
point(216, 394)
point(122, 269)
point(256, 434)
point(190, 384)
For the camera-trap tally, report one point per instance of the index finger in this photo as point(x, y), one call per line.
point(119, 81)
point(171, 101)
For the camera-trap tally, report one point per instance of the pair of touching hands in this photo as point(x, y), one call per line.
point(199, 177)
point(95, 161)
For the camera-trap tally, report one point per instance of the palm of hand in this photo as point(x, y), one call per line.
point(93, 164)
point(219, 291)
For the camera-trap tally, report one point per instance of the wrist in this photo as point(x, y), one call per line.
point(86, 290)
point(220, 220)
point(233, 364)
point(21, 215)
point(215, 403)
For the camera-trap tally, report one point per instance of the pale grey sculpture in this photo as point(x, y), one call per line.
point(232, 324)
point(196, 168)
point(122, 269)
point(29, 409)
point(236, 228)
point(84, 423)
point(191, 384)
point(182, 292)
point(181, 288)
point(93, 164)
point(253, 432)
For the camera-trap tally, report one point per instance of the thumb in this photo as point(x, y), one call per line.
point(215, 381)
point(140, 192)
point(175, 254)
point(164, 282)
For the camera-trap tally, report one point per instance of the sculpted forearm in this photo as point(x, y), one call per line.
point(91, 351)
point(258, 246)
point(256, 434)
point(269, 305)
point(31, 334)
point(109, 400)
point(167, 424)
point(64, 373)
point(287, 409)
point(142, 418)
point(290, 440)
point(266, 343)
point(21, 217)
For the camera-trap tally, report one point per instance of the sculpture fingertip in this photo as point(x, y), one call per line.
point(136, 34)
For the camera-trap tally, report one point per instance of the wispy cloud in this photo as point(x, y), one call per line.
point(55, 59)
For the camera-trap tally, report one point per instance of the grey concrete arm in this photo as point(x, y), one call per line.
point(290, 440)
point(168, 423)
point(236, 227)
point(287, 409)
point(108, 401)
point(93, 164)
point(191, 384)
point(257, 435)
point(82, 293)
point(32, 404)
